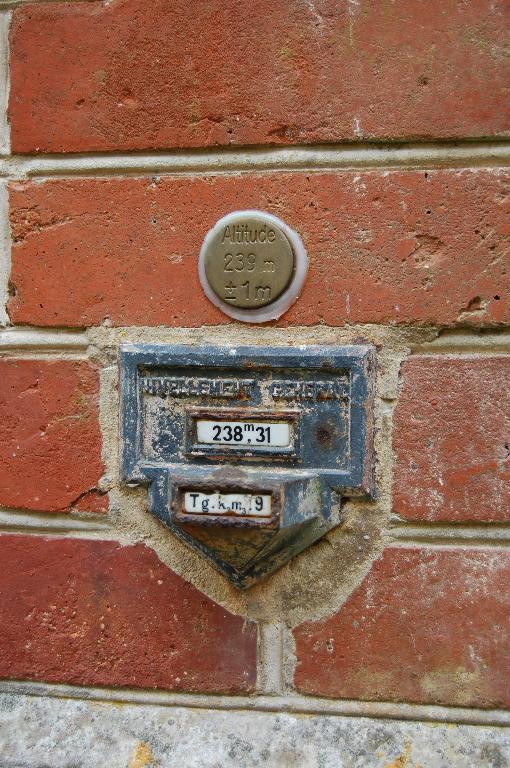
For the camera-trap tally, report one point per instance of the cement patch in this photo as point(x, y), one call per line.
point(54, 733)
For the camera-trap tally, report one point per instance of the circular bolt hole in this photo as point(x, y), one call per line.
point(323, 436)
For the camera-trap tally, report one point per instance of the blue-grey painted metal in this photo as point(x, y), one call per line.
point(324, 392)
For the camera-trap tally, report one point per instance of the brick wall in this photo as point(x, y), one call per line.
point(381, 133)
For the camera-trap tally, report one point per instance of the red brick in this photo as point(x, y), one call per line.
point(391, 247)
point(451, 439)
point(92, 501)
point(97, 613)
point(426, 625)
point(138, 75)
point(50, 443)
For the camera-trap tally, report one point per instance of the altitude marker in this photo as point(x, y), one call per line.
point(252, 265)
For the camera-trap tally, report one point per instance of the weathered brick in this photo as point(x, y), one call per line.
point(426, 625)
point(451, 439)
point(392, 247)
point(98, 613)
point(50, 443)
point(138, 75)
